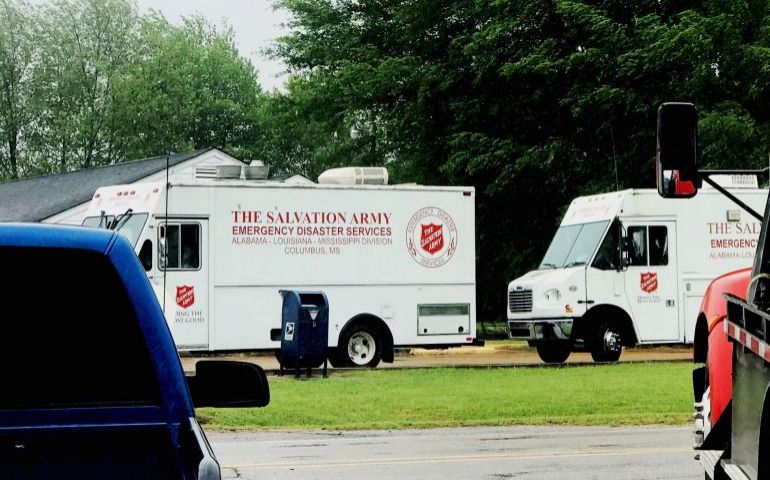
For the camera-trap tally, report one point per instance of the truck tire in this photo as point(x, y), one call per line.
point(606, 343)
point(360, 346)
point(556, 351)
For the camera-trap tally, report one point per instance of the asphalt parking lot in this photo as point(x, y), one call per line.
point(536, 453)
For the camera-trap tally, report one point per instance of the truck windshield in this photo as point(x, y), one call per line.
point(130, 228)
point(573, 245)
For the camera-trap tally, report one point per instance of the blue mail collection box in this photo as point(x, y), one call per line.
point(305, 329)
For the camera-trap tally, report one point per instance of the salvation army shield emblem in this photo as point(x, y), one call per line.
point(185, 296)
point(648, 282)
point(432, 238)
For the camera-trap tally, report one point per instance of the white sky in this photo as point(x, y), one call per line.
point(254, 22)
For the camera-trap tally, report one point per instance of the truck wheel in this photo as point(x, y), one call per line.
point(556, 351)
point(606, 344)
point(359, 346)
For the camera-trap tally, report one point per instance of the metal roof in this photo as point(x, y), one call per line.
point(37, 198)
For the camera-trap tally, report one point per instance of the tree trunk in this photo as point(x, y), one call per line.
point(13, 154)
point(63, 158)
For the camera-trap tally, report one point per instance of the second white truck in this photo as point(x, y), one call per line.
point(628, 268)
point(397, 263)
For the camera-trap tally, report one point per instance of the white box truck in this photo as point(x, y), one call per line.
point(397, 263)
point(629, 267)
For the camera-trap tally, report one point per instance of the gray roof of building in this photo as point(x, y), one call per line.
point(37, 198)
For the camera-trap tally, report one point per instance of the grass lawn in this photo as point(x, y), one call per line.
point(651, 393)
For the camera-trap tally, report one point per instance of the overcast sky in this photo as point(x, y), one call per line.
point(254, 22)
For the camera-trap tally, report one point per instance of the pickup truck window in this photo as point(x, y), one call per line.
point(73, 338)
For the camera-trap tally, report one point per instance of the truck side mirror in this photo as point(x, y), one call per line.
point(625, 252)
point(162, 247)
point(676, 158)
point(622, 258)
point(228, 384)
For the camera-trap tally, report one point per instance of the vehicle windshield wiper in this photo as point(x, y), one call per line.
point(121, 220)
point(574, 264)
point(548, 265)
point(103, 222)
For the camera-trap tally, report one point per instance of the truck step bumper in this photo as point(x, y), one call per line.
point(733, 472)
point(709, 460)
point(547, 329)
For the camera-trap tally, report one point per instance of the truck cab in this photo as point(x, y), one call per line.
point(627, 268)
point(92, 383)
point(545, 305)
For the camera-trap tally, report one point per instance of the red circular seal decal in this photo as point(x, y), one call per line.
point(431, 237)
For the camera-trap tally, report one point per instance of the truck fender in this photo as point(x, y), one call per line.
point(700, 339)
point(719, 365)
point(385, 335)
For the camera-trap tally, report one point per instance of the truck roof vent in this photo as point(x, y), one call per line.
point(205, 172)
point(354, 176)
point(228, 171)
point(734, 181)
point(256, 170)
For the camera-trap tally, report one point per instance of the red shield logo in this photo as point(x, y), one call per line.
point(649, 282)
point(185, 296)
point(432, 238)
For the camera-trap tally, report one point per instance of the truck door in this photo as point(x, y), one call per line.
point(183, 257)
point(651, 280)
point(605, 279)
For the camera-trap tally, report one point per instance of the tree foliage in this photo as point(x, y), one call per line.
point(82, 49)
point(533, 102)
point(185, 88)
point(16, 52)
point(92, 82)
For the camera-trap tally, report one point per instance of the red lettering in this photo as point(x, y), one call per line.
point(733, 243)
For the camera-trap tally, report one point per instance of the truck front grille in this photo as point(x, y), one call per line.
point(520, 301)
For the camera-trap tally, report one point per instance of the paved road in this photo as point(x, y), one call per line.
point(533, 453)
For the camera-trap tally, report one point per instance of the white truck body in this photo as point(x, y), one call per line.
point(675, 248)
point(402, 254)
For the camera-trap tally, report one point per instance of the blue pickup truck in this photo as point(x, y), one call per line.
point(91, 385)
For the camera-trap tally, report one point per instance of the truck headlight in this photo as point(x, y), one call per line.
point(552, 295)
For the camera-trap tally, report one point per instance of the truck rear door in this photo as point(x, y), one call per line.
point(651, 280)
point(183, 258)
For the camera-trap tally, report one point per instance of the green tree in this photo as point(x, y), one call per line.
point(85, 45)
point(533, 102)
point(16, 59)
point(185, 88)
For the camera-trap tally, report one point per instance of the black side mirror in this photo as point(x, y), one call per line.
point(626, 245)
point(677, 152)
point(622, 248)
point(228, 384)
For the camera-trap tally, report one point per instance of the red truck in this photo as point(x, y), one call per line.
point(732, 405)
point(712, 382)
